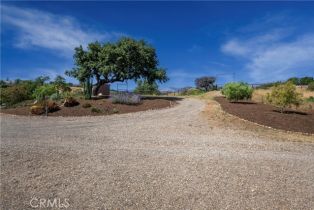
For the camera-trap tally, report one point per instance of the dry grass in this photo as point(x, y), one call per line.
point(259, 95)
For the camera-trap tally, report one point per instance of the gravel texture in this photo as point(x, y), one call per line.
point(184, 157)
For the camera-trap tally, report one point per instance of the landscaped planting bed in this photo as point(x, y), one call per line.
point(100, 107)
point(297, 121)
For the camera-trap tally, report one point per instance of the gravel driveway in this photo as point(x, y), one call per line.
point(173, 158)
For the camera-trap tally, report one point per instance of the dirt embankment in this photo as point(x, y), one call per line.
point(297, 121)
point(103, 106)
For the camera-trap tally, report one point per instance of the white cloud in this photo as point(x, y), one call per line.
point(284, 60)
point(269, 56)
point(37, 28)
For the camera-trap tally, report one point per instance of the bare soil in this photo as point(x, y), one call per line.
point(105, 106)
point(290, 120)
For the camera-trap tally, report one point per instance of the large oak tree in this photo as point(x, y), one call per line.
point(126, 59)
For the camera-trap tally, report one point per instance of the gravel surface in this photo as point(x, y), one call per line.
point(173, 158)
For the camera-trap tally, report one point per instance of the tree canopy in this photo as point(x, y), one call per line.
point(205, 83)
point(126, 59)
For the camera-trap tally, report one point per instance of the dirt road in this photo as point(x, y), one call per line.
point(173, 158)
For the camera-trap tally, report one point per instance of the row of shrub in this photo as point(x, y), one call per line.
point(282, 95)
point(190, 91)
point(21, 90)
point(306, 81)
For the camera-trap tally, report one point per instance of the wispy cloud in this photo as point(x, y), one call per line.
point(35, 28)
point(195, 49)
point(275, 54)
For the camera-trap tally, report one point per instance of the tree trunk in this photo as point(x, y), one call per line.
point(88, 89)
point(98, 85)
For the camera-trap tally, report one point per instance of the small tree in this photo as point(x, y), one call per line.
point(294, 80)
point(41, 80)
point(60, 84)
point(205, 83)
point(144, 87)
point(284, 96)
point(235, 91)
point(44, 91)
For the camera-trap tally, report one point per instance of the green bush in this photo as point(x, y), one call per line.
point(310, 99)
point(44, 91)
point(188, 91)
point(306, 80)
point(15, 94)
point(55, 97)
point(194, 91)
point(235, 91)
point(310, 86)
point(143, 87)
point(284, 96)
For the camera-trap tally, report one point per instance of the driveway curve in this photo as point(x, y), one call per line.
point(161, 159)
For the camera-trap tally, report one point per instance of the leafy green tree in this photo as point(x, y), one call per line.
point(127, 59)
point(3, 84)
point(144, 87)
point(235, 91)
point(44, 91)
point(41, 80)
point(294, 80)
point(284, 96)
point(205, 83)
point(306, 80)
point(60, 84)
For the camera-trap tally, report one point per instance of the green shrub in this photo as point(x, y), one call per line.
point(44, 91)
point(15, 94)
point(284, 96)
point(143, 87)
point(310, 99)
point(194, 91)
point(86, 105)
point(95, 110)
point(115, 110)
point(191, 91)
point(306, 80)
point(235, 91)
point(310, 86)
point(55, 97)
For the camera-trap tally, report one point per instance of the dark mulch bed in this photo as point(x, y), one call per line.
point(268, 115)
point(105, 105)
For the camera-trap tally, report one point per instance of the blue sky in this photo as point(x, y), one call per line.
point(253, 42)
